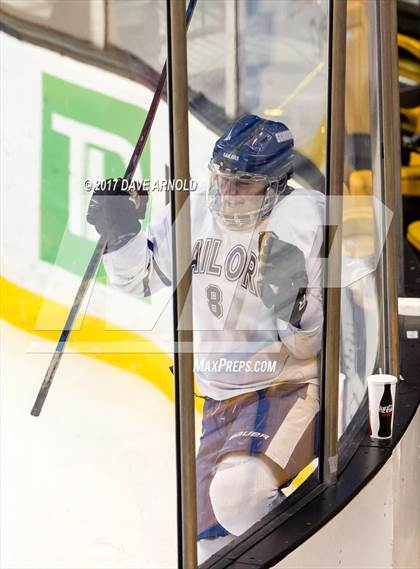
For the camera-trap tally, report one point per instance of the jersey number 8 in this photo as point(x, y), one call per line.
point(214, 300)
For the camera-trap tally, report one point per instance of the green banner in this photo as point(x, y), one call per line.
point(86, 135)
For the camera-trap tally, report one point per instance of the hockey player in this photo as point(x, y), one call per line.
point(257, 308)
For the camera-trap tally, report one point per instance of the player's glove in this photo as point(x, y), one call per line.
point(282, 279)
point(116, 211)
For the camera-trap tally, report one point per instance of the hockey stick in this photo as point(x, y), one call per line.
point(101, 245)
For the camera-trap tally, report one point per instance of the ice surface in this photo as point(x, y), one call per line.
point(91, 482)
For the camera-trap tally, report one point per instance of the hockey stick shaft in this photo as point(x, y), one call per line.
point(55, 360)
point(101, 245)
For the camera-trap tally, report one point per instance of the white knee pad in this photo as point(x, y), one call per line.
point(207, 547)
point(243, 490)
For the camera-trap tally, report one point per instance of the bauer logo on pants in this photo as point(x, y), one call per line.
point(85, 135)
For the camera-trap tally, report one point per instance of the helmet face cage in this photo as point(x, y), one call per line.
point(239, 200)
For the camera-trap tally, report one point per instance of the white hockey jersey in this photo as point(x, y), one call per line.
point(239, 344)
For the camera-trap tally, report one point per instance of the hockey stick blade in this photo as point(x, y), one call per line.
point(101, 245)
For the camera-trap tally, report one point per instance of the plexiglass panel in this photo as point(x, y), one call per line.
point(278, 81)
point(91, 482)
point(82, 20)
point(365, 223)
point(257, 157)
point(139, 28)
